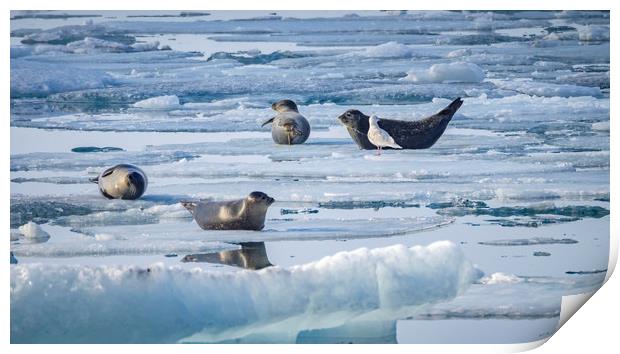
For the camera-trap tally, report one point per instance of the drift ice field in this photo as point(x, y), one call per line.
point(474, 240)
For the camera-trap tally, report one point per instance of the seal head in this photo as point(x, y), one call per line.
point(284, 105)
point(260, 197)
point(288, 127)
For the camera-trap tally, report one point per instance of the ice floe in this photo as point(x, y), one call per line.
point(158, 103)
point(444, 73)
point(594, 33)
point(32, 230)
point(197, 305)
point(389, 50)
point(547, 89)
point(530, 241)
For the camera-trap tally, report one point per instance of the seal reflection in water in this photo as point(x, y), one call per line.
point(252, 255)
point(122, 181)
point(420, 134)
point(242, 214)
point(288, 126)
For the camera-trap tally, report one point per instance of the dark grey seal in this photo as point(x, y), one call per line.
point(420, 134)
point(122, 181)
point(243, 214)
point(252, 255)
point(288, 126)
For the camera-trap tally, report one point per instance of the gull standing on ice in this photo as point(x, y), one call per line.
point(379, 137)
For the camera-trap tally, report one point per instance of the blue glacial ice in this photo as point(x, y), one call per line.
point(384, 283)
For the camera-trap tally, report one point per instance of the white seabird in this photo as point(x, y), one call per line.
point(379, 137)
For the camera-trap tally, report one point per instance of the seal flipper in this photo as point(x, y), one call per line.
point(94, 179)
point(451, 108)
point(267, 122)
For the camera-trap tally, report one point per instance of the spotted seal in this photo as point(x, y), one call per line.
point(420, 134)
point(288, 126)
point(123, 181)
point(242, 214)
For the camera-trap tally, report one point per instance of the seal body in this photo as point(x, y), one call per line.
point(122, 181)
point(420, 134)
point(288, 127)
point(242, 214)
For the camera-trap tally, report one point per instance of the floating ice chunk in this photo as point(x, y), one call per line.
point(90, 45)
point(500, 278)
point(145, 47)
point(389, 50)
point(534, 88)
point(601, 126)
point(15, 235)
point(68, 34)
point(459, 53)
point(104, 237)
point(20, 51)
point(203, 305)
point(508, 302)
point(32, 230)
point(594, 33)
point(158, 103)
point(529, 241)
point(94, 45)
point(452, 72)
point(287, 229)
point(13, 259)
point(29, 78)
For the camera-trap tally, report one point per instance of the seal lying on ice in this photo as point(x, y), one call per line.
point(288, 126)
point(420, 134)
point(122, 181)
point(243, 214)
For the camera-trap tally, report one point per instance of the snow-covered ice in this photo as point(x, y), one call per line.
point(32, 230)
point(161, 102)
point(445, 73)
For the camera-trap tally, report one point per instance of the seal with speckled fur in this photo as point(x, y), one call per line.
point(242, 214)
point(420, 134)
point(122, 181)
point(288, 126)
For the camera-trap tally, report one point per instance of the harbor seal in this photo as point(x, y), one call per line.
point(243, 214)
point(123, 181)
point(420, 134)
point(252, 255)
point(288, 126)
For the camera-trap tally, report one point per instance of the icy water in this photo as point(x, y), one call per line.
point(474, 240)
